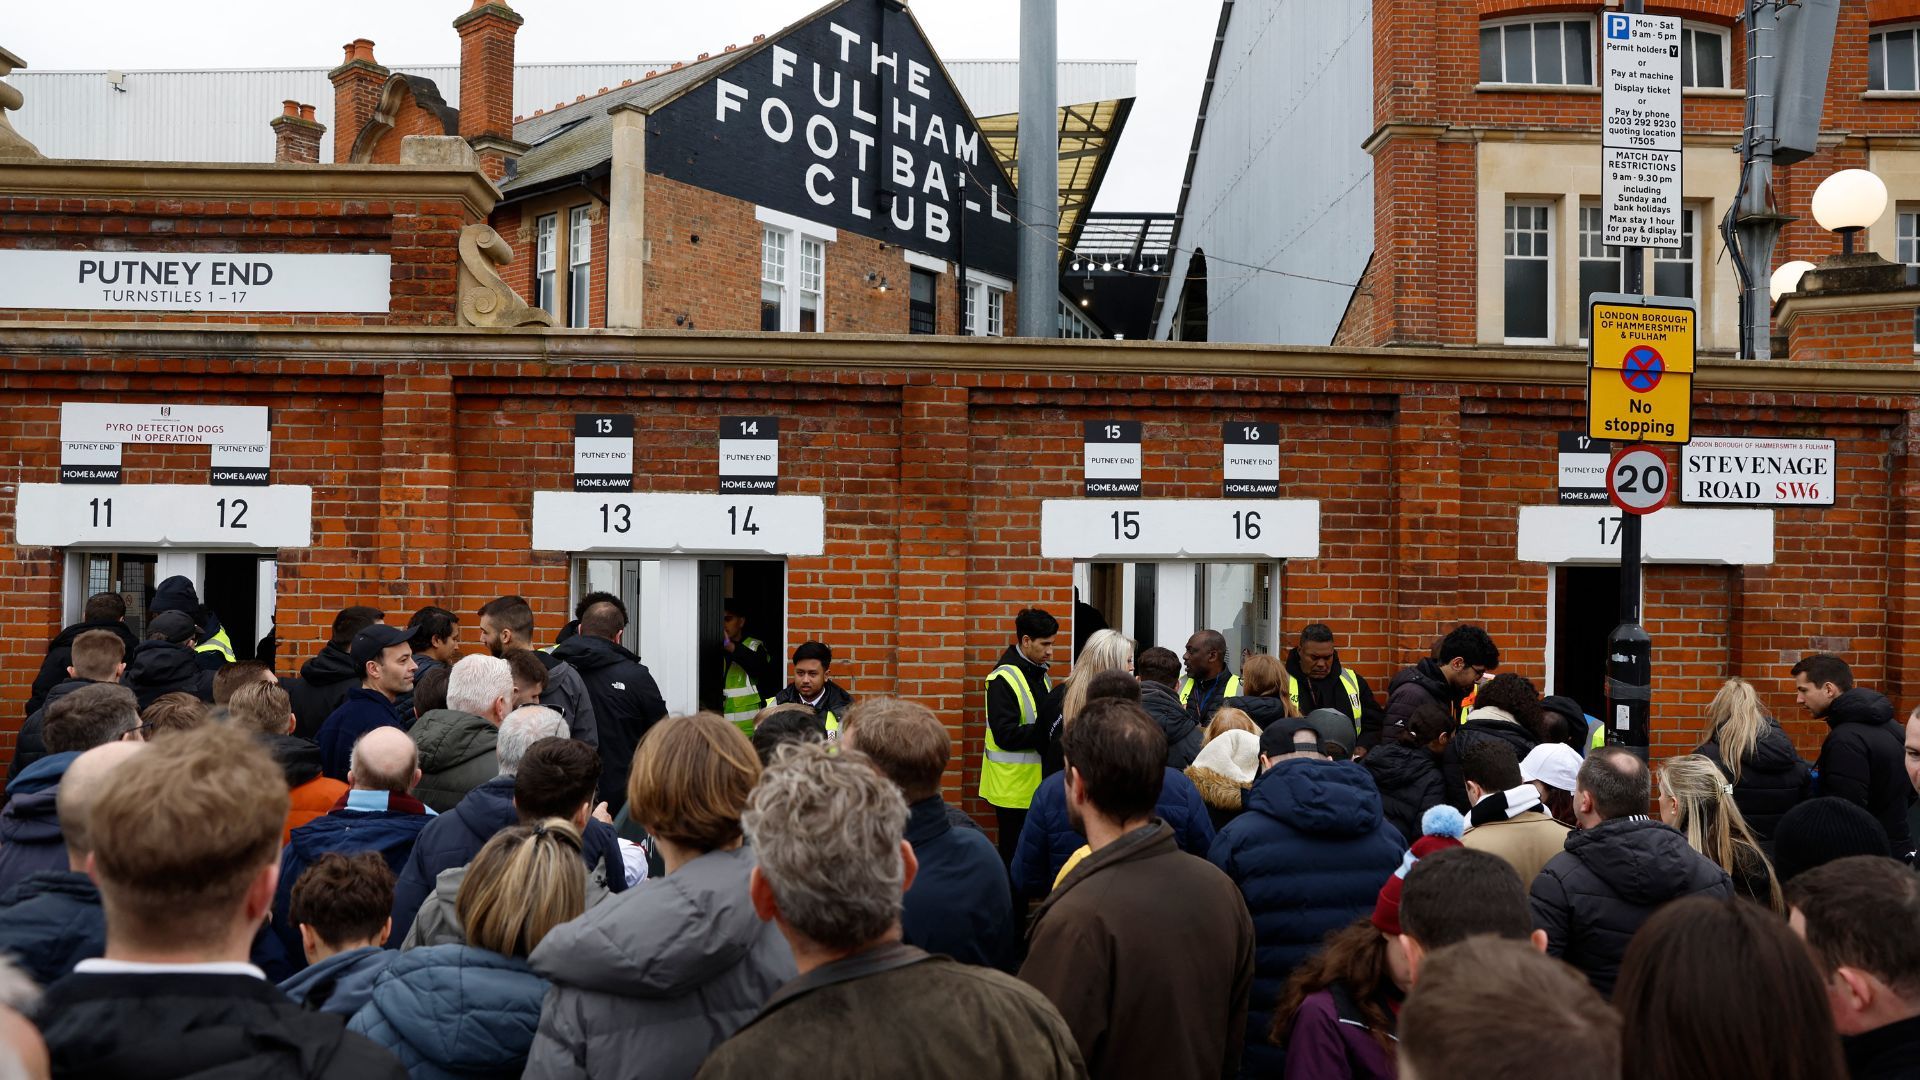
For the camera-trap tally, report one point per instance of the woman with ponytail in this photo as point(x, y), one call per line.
point(1698, 801)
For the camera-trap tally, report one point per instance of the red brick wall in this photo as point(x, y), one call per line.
point(421, 235)
point(423, 468)
point(1426, 67)
point(1872, 336)
point(410, 119)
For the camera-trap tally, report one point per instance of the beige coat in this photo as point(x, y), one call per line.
point(1526, 840)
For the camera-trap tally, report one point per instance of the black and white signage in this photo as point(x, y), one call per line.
point(1112, 458)
point(1582, 468)
point(1640, 129)
point(85, 461)
point(1764, 472)
point(247, 464)
point(1145, 529)
point(164, 515)
point(1638, 481)
point(847, 120)
point(92, 433)
point(602, 452)
point(194, 281)
point(1250, 461)
point(679, 524)
point(749, 455)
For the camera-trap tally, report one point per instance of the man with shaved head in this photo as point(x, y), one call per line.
point(378, 813)
point(1208, 682)
point(626, 701)
point(53, 919)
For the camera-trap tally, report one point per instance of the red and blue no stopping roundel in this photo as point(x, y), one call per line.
point(1642, 369)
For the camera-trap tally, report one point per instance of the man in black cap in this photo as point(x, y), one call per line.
point(166, 662)
point(384, 657)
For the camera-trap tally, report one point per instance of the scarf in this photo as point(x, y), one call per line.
point(1505, 805)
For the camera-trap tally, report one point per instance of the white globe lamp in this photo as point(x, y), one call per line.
point(1847, 202)
point(1787, 278)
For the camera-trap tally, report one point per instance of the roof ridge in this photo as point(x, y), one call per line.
point(677, 65)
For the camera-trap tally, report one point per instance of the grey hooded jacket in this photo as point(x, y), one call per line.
point(648, 983)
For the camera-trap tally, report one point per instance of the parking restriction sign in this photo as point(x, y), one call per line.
point(1640, 369)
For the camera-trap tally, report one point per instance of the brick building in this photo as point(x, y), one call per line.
point(1461, 170)
point(926, 488)
point(828, 177)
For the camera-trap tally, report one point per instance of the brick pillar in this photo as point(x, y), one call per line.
point(296, 134)
point(486, 83)
point(1903, 564)
point(931, 661)
point(416, 488)
point(356, 92)
point(1427, 526)
point(1854, 308)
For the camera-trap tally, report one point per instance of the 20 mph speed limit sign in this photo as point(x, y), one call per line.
point(1637, 479)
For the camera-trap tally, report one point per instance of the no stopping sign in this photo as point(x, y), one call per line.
point(1637, 479)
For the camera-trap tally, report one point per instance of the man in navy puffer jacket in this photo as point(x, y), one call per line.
point(1047, 840)
point(1309, 854)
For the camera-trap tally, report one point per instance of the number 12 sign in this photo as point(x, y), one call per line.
point(1637, 479)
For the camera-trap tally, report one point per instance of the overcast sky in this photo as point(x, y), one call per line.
point(1169, 41)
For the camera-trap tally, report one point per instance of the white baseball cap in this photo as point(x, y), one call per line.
point(1553, 764)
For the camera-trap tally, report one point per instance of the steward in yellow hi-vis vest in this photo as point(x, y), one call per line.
point(1010, 761)
point(749, 668)
point(810, 686)
point(1318, 679)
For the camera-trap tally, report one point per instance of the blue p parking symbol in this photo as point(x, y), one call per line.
point(1619, 27)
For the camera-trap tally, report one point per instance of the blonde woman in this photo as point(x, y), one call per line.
point(1698, 801)
point(1106, 650)
point(1263, 691)
point(471, 1010)
point(1768, 776)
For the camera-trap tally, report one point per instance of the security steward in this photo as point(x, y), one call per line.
point(1010, 768)
point(749, 669)
point(1208, 682)
point(1316, 679)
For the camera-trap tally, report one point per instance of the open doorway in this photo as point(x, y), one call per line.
point(232, 589)
point(757, 590)
point(1586, 608)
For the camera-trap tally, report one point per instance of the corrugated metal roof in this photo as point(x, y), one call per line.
point(222, 115)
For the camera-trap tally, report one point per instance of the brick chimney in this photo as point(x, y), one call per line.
point(356, 91)
point(296, 134)
point(1851, 308)
point(486, 84)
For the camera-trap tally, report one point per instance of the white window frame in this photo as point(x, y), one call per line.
point(1593, 49)
point(1553, 278)
point(1906, 224)
point(985, 292)
point(1877, 40)
point(1719, 33)
point(546, 229)
point(579, 267)
point(1690, 216)
point(1582, 237)
point(798, 237)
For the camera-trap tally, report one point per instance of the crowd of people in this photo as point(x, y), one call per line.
point(417, 860)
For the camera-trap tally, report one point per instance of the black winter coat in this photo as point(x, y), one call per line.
point(1591, 898)
point(31, 745)
point(1419, 690)
point(1410, 783)
point(1864, 762)
point(1184, 734)
point(1328, 693)
point(1773, 779)
point(626, 703)
point(198, 1025)
point(60, 657)
point(161, 667)
point(1262, 710)
point(321, 687)
point(52, 921)
point(1471, 733)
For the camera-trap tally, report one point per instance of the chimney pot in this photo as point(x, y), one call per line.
point(306, 112)
point(289, 107)
point(296, 138)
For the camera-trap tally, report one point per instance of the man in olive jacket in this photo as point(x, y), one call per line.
point(1147, 951)
point(826, 829)
point(459, 744)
